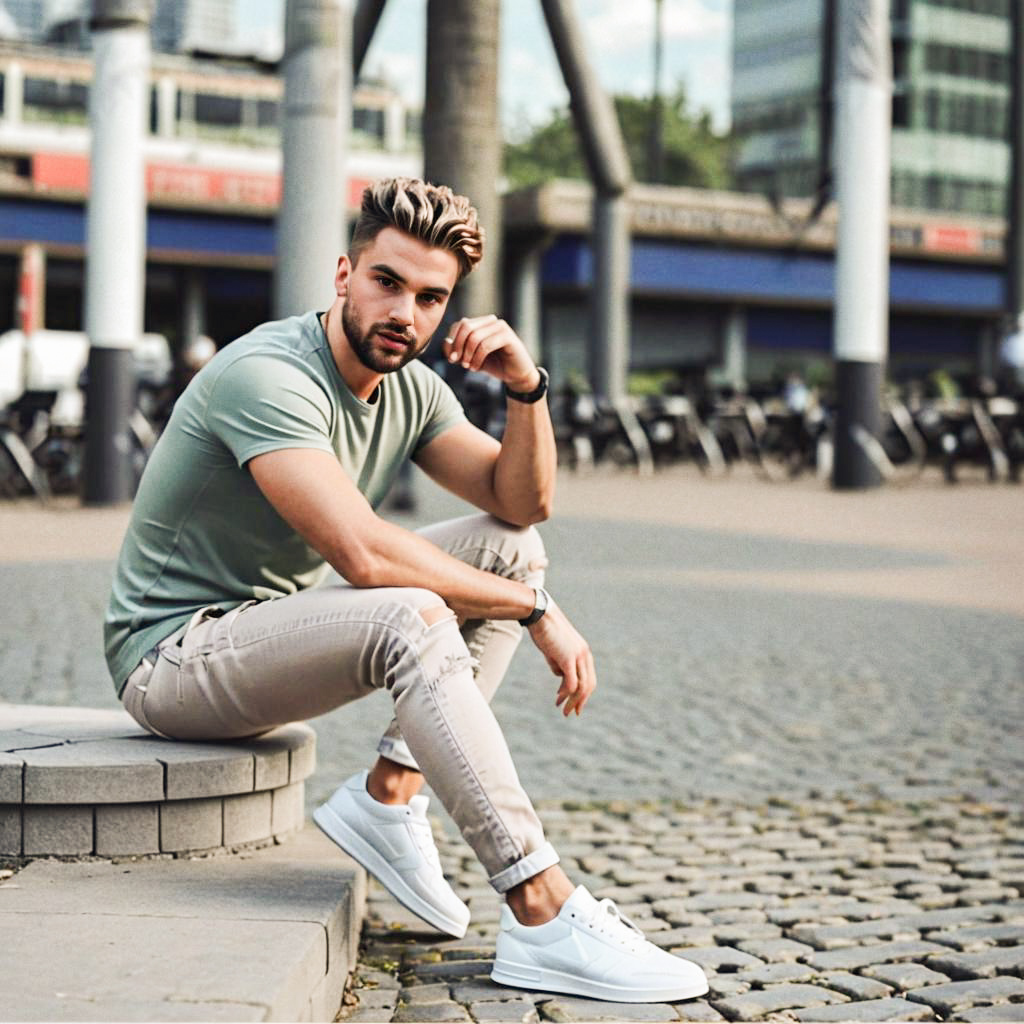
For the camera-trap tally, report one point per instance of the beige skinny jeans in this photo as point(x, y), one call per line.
point(265, 663)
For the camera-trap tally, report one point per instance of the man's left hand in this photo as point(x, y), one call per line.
point(488, 344)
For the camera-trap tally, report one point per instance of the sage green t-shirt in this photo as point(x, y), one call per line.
point(201, 531)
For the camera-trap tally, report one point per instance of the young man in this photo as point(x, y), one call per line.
point(267, 475)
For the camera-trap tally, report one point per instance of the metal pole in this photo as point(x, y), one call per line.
point(863, 130)
point(115, 241)
point(605, 152)
point(364, 24)
point(317, 108)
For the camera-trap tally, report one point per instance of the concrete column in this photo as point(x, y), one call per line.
point(526, 303)
point(193, 306)
point(609, 333)
point(32, 288)
point(863, 130)
point(166, 108)
point(608, 164)
point(734, 348)
point(989, 338)
point(115, 241)
point(317, 114)
point(394, 126)
point(14, 93)
point(461, 132)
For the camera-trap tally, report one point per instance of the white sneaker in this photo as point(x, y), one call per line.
point(592, 950)
point(394, 843)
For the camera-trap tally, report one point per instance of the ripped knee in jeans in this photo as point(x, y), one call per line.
point(436, 613)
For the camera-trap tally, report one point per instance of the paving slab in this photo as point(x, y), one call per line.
point(960, 995)
point(271, 929)
point(869, 1010)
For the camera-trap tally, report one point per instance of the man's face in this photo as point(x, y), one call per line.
point(395, 296)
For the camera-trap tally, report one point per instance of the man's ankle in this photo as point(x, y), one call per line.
point(392, 783)
point(539, 899)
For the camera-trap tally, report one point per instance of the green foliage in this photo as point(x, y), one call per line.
point(692, 153)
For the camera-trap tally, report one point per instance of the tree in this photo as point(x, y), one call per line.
point(692, 153)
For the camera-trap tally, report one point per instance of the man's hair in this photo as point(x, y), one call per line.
point(432, 213)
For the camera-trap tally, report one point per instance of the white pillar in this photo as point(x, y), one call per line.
point(863, 133)
point(14, 93)
point(734, 348)
point(166, 108)
point(115, 240)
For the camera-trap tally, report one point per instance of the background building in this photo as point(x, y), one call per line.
point(951, 70)
point(24, 20)
point(213, 184)
point(177, 26)
point(184, 26)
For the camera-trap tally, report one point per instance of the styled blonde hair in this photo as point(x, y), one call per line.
point(432, 213)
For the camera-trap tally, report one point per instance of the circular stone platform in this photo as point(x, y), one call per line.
point(81, 781)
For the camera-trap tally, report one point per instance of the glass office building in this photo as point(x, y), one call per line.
point(951, 100)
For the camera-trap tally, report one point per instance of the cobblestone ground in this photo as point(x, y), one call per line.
point(803, 764)
point(812, 910)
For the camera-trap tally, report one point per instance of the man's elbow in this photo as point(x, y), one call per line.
point(360, 567)
point(538, 513)
point(542, 513)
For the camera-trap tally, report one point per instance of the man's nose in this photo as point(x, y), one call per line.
point(402, 309)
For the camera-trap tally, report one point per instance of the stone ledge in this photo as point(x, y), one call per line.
point(83, 781)
point(266, 935)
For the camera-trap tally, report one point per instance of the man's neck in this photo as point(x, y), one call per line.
point(361, 380)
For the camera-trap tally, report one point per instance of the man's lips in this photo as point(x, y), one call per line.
point(397, 342)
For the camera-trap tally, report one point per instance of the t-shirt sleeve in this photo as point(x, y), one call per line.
point(444, 411)
point(260, 404)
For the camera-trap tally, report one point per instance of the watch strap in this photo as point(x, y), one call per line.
point(529, 397)
point(540, 606)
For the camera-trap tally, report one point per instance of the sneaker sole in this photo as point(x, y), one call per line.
point(338, 831)
point(529, 977)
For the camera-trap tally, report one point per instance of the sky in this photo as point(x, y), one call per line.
point(620, 34)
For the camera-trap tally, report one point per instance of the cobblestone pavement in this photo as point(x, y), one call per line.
point(813, 910)
point(809, 717)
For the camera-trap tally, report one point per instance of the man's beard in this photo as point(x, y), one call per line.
point(362, 343)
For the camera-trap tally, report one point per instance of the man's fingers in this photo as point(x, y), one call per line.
point(460, 336)
point(587, 675)
point(567, 691)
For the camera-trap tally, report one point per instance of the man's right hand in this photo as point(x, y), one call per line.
point(568, 656)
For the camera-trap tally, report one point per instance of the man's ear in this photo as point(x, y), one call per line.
point(342, 275)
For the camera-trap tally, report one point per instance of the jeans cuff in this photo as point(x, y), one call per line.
point(397, 750)
point(532, 864)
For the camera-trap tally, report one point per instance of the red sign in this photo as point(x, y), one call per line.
point(187, 184)
point(950, 238)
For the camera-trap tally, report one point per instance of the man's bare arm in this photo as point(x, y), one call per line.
point(516, 479)
point(312, 493)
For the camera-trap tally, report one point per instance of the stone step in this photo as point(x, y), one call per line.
point(81, 781)
point(269, 934)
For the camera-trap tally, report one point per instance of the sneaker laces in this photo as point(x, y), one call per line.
point(423, 835)
point(608, 920)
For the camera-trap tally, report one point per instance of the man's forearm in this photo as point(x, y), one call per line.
point(391, 556)
point(524, 474)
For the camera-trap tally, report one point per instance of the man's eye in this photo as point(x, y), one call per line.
point(429, 300)
point(385, 282)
